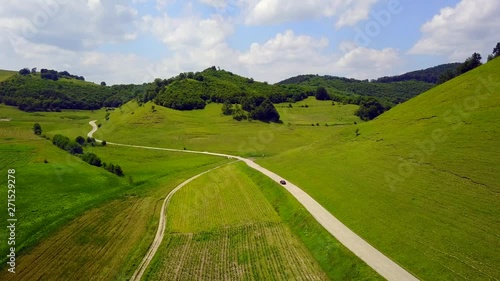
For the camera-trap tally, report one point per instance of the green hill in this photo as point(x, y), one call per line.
point(349, 90)
point(33, 93)
point(6, 74)
point(421, 182)
point(193, 90)
point(429, 75)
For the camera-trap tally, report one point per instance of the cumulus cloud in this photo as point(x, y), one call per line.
point(79, 24)
point(187, 32)
point(457, 32)
point(285, 46)
point(18, 52)
point(288, 54)
point(350, 12)
point(73, 35)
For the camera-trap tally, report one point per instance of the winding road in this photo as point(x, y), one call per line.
point(161, 229)
point(371, 256)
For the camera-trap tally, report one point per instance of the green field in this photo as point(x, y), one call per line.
point(208, 130)
point(234, 224)
point(71, 123)
point(6, 74)
point(421, 182)
point(66, 206)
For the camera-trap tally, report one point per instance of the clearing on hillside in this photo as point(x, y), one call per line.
point(207, 130)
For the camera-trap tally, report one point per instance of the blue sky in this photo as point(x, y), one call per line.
point(136, 41)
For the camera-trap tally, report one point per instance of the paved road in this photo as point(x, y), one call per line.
point(366, 252)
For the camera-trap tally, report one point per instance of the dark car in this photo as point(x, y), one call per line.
point(282, 182)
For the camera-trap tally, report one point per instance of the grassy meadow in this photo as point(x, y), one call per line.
point(208, 130)
point(6, 74)
point(420, 183)
point(233, 223)
point(66, 206)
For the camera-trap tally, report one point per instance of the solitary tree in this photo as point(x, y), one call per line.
point(24, 71)
point(80, 140)
point(103, 83)
point(37, 129)
point(471, 63)
point(227, 108)
point(322, 94)
point(118, 170)
point(496, 50)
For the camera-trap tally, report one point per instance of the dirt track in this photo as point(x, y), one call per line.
point(371, 256)
point(161, 230)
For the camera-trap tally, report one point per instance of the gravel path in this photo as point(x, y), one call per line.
point(161, 229)
point(371, 256)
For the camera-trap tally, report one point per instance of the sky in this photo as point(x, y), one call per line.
point(136, 41)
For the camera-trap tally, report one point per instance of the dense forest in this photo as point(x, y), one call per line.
point(429, 75)
point(190, 90)
point(349, 90)
point(36, 92)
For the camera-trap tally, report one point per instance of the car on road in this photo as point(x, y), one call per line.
point(282, 182)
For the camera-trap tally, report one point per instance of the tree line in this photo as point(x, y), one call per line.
point(32, 93)
point(251, 108)
point(76, 147)
point(472, 62)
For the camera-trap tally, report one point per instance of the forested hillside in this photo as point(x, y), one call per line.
point(429, 75)
point(349, 89)
point(193, 90)
point(32, 92)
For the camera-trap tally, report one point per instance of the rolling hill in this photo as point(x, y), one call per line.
point(33, 93)
point(393, 89)
point(194, 90)
point(6, 74)
point(350, 90)
point(429, 75)
point(421, 182)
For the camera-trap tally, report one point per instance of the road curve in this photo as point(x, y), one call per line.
point(161, 228)
point(366, 252)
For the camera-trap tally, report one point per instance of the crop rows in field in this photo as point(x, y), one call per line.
point(260, 251)
point(94, 246)
point(223, 197)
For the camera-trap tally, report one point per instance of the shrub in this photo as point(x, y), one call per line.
point(37, 129)
point(80, 140)
point(74, 148)
point(322, 94)
point(118, 170)
point(92, 159)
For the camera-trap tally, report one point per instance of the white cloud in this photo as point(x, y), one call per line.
point(350, 12)
point(364, 63)
point(188, 32)
point(288, 54)
point(17, 52)
point(284, 47)
point(79, 24)
point(74, 33)
point(470, 26)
